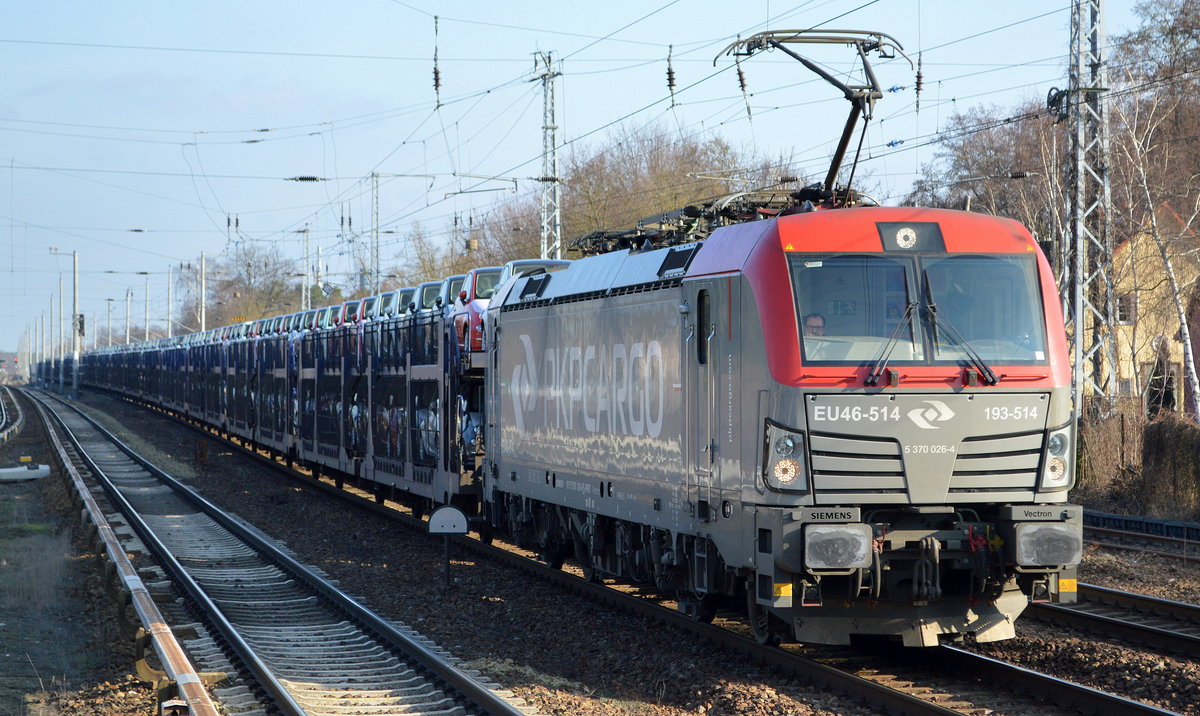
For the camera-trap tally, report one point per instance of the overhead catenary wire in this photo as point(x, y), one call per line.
point(354, 191)
point(827, 20)
point(647, 106)
point(194, 132)
point(927, 138)
point(610, 124)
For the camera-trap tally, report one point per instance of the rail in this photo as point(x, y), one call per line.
point(177, 668)
point(10, 429)
point(1062, 693)
point(1188, 531)
point(1159, 623)
point(1175, 548)
point(470, 689)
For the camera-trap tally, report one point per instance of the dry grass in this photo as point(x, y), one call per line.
point(1132, 465)
point(1171, 468)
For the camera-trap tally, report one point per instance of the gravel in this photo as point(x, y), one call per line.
point(61, 650)
point(569, 657)
point(1113, 666)
point(1150, 574)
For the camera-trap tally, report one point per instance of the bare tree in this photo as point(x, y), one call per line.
point(638, 173)
point(1147, 160)
point(635, 174)
point(1004, 162)
point(249, 282)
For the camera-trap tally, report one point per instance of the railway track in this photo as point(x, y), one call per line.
point(1162, 545)
point(309, 648)
point(1159, 623)
point(946, 680)
point(11, 415)
point(941, 680)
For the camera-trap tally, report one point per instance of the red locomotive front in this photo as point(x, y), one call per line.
point(916, 405)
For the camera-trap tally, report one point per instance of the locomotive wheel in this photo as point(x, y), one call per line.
point(584, 559)
point(762, 622)
point(698, 607)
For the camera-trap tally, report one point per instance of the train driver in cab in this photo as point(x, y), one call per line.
point(814, 325)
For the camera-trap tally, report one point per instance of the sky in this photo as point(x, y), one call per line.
point(140, 134)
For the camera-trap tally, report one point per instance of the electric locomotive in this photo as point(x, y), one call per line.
point(664, 416)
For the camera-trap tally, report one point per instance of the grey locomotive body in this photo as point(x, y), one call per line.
point(658, 417)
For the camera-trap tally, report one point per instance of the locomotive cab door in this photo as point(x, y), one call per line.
point(700, 334)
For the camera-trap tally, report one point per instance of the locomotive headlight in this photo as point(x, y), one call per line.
point(1048, 544)
point(786, 471)
point(783, 459)
point(785, 446)
point(1057, 444)
point(1056, 467)
point(837, 546)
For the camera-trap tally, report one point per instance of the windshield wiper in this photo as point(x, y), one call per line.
point(989, 377)
point(881, 364)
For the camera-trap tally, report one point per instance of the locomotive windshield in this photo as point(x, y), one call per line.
point(993, 301)
point(854, 308)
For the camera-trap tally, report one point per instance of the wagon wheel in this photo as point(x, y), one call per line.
point(552, 558)
point(583, 558)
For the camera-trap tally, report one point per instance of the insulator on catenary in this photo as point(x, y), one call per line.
point(920, 83)
point(670, 69)
point(671, 73)
point(741, 79)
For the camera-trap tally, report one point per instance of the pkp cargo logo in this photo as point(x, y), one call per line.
point(522, 389)
point(593, 388)
point(937, 412)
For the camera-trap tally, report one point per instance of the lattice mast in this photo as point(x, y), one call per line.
point(1088, 294)
point(551, 207)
